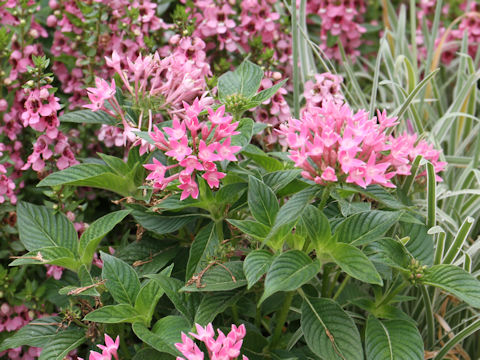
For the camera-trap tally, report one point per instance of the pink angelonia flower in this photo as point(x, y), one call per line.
point(54, 271)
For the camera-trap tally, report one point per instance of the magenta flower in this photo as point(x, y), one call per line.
point(99, 94)
point(196, 146)
point(331, 143)
point(222, 348)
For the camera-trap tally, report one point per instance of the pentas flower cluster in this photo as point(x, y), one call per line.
point(224, 347)
point(195, 146)
point(331, 143)
point(108, 350)
point(341, 19)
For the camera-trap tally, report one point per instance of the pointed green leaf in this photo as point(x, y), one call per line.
point(256, 265)
point(328, 330)
point(154, 340)
point(40, 227)
point(392, 340)
point(58, 346)
point(33, 335)
point(121, 280)
point(88, 117)
point(454, 280)
point(245, 128)
point(288, 272)
point(250, 227)
point(355, 263)
point(262, 202)
point(111, 314)
point(365, 227)
point(220, 277)
point(54, 255)
point(214, 304)
point(245, 80)
point(316, 225)
point(203, 248)
point(96, 231)
point(161, 224)
point(171, 287)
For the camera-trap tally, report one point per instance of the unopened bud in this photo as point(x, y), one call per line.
point(30, 83)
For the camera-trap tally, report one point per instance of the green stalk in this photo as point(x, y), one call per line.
point(469, 330)
point(296, 80)
point(440, 249)
point(459, 240)
point(281, 318)
point(431, 198)
point(429, 314)
point(391, 294)
point(341, 287)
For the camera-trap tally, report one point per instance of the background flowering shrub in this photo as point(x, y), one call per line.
point(300, 176)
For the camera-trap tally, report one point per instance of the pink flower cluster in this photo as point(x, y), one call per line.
point(165, 83)
point(13, 318)
point(195, 146)
point(341, 19)
point(224, 347)
point(108, 350)
point(331, 143)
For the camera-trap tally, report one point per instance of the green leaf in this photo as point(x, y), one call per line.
point(245, 80)
point(88, 117)
point(148, 297)
point(40, 227)
point(266, 94)
point(96, 231)
point(224, 277)
point(363, 228)
point(454, 280)
point(289, 214)
point(262, 202)
point(315, 224)
point(214, 304)
point(121, 280)
point(58, 346)
point(33, 335)
point(277, 180)
point(94, 175)
point(392, 340)
point(389, 252)
point(250, 227)
point(111, 314)
point(328, 330)
point(255, 265)
point(54, 255)
point(245, 128)
point(154, 340)
point(161, 224)
point(355, 263)
point(115, 164)
point(203, 248)
point(170, 328)
point(264, 160)
point(420, 244)
point(171, 287)
point(288, 272)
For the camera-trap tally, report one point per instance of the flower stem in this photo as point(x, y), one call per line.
point(281, 318)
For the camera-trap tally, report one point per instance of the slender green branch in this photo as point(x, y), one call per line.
point(341, 287)
point(281, 318)
point(429, 314)
point(296, 80)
